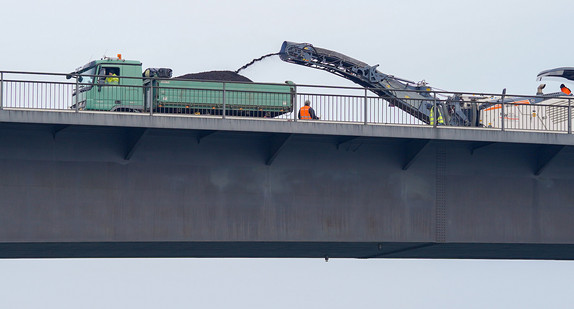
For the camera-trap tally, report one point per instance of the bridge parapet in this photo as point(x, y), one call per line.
point(550, 113)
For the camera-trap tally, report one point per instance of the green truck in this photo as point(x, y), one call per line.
point(115, 84)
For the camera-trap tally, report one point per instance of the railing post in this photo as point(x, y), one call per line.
point(77, 92)
point(569, 116)
point(502, 104)
point(223, 112)
point(151, 96)
point(436, 112)
point(1, 90)
point(366, 107)
point(295, 110)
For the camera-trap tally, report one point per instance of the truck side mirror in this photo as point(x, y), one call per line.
point(101, 80)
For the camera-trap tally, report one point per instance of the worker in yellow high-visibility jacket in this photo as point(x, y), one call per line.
point(439, 120)
point(112, 79)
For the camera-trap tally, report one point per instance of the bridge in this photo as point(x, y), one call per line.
point(103, 184)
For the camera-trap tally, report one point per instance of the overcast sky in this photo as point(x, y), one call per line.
point(478, 46)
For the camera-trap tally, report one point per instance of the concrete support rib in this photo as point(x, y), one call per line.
point(344, 140)
point(545, 155)
point(133, 140)
point(276, 144)
point(412, 151)
point(476, 146)
point(55, 129)
point(203, 134)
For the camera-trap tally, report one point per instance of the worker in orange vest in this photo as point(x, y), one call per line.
point(307, 112)
point(565, 89)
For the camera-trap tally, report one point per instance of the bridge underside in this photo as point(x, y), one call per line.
point(70, 189)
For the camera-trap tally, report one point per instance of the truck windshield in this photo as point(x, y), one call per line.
point(87, 76)
point(87, 79)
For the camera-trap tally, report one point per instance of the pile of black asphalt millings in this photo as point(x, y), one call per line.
point(226, 76)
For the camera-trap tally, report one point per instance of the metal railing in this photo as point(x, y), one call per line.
point(46, 91)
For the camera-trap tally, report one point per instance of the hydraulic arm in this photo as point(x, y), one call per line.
point(413, 98)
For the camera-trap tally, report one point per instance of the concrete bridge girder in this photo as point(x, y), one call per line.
point(251, 188)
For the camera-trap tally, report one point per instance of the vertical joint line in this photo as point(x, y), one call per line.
point(440, 211)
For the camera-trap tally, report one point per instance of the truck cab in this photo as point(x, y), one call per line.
point(118, 85)
point(109, 84)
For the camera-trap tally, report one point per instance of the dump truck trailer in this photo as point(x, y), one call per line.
point(115, 84)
